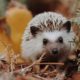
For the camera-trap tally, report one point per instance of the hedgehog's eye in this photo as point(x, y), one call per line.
point(45, 41)
point(60, 40)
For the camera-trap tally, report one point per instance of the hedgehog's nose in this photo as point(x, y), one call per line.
point(55, 51)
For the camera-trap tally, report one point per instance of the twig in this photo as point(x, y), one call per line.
point(41, 57)
point(50, 64)
point(28, 68)
point(46, 67)
point(37, 62)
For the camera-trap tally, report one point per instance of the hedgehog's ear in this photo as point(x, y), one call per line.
point(67, 26)
point(34, 30)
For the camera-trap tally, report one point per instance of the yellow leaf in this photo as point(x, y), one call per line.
point(17, 19)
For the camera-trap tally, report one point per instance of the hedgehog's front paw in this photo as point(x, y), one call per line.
point(36, 68)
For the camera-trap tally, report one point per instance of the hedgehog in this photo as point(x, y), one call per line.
point(50, 32)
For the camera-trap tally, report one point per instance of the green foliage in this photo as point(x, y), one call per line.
point(23, 1)
point(3, 4)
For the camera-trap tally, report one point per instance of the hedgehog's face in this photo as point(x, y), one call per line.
point(56, 42)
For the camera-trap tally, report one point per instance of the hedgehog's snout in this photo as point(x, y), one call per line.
point(55, 51)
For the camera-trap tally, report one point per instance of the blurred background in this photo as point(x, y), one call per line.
point(66, 7)
point(38, 6)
